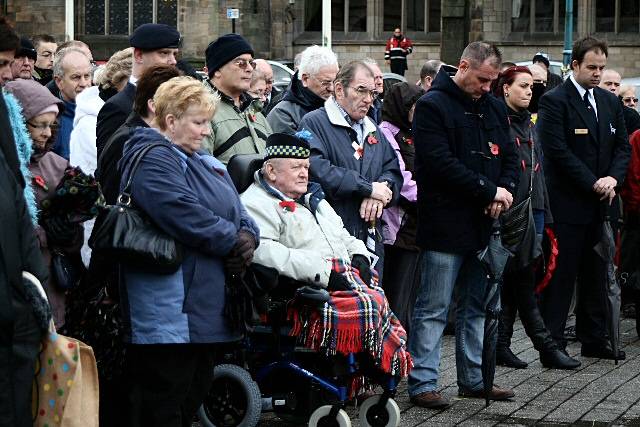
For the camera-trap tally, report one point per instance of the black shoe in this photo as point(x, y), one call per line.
point(597, 352)
point(505, 357)
point(496, 393)
point(558, 359)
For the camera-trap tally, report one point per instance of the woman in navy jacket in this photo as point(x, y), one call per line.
point(174, 321)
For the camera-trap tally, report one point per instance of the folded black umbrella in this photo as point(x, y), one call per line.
point(494, 258)
point(606, 249)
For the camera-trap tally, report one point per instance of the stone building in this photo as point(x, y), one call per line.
point(280, 28)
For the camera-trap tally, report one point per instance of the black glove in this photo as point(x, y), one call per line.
point(60, 230)
point(363, 265)
point(338, 282)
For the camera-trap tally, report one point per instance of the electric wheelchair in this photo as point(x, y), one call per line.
point(270, 371)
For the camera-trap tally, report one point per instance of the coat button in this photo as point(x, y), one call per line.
point(482, 182)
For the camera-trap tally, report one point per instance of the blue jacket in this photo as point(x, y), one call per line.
point(345, 179)
point(65, 120)
point(463, 153)
point(192, 198)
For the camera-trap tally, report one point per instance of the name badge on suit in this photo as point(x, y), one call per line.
point(581, 131)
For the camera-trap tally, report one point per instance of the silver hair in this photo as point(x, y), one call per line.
point(58, 60)
point(315, 57)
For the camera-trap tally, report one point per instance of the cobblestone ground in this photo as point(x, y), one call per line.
point(599, 393)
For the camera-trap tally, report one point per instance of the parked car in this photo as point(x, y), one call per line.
point(281, 75)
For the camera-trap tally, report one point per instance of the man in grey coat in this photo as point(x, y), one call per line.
point(310, 86)
point(351, 158)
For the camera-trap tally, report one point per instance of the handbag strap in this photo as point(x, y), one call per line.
point(125, 195)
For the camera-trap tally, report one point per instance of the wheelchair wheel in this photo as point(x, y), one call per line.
point(371, 415)
point(233, 401)
point(320, 418)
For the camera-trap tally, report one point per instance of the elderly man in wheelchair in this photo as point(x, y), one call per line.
point(338, 310)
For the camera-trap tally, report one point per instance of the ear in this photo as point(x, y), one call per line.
point(137, 55)
point(57, 80)
point(338, 90)
point(205, 70)
point(170, 123)
point(574, 64)
point(464, 65)
point(151, 106)
point(505, 88)
point(304, 78)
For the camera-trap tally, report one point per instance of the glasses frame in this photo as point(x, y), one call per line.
point(41, 127)
point(630, 99)
point(242, 63)
point(363, 92)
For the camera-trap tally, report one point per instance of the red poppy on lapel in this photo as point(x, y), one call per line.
point(40, 182)
point(371, 139)
point(288, 205)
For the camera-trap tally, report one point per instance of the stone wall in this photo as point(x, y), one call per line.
point(37, 17)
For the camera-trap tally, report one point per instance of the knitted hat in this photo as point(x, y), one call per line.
point(155, 36)
point(224, 49)
point(26, 49)
point(541, 57)
point(33, 97)
point(284, 145)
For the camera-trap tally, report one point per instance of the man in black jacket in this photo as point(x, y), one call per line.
point(466, 169)
point(586, 152)
point(152, 44)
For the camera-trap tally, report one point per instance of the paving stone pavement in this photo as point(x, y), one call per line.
point(599, 393)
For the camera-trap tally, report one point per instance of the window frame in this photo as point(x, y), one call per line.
point(558, 27)
point(617, 15)
point(130, 28)
point(403, 17)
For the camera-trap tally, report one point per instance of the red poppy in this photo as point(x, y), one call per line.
point(408, 140)
point(252, 117)
point(495, 149)
point(371, 139)
point(288, 205)
point(40, 182)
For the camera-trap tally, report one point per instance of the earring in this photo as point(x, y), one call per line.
point(506, 95)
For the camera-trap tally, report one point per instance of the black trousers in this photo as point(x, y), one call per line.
point(167, 382)
point(630, 256)
point(518, 296)
point(578, 264)
point(402, 273)
point(19, 350)
point(398, 66)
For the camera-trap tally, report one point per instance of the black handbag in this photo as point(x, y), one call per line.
point(518, 227)
point(128, 235)
point(66, 272)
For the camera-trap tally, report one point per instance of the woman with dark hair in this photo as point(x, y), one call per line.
point(402, 269)
point(514, 87)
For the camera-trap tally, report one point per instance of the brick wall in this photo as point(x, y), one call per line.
point(33, 17)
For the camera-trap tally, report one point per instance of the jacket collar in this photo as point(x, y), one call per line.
point(310, 200)
point(337, 119)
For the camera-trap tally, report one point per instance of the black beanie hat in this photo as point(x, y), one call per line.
point(26, 49)
point(539, 57)
point(224, 49)
point(284, 145)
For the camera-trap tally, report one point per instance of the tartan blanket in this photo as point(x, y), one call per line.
point(354, 321)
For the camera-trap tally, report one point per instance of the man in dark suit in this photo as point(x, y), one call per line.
point(586, 150)
point(152, 44)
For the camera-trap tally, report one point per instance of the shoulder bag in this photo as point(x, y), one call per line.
point(128, 235)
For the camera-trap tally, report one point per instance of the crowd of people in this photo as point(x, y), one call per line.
point(362, 190)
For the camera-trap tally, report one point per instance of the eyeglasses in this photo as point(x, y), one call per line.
point(364, 91)
point(242, 63)
point(43, 126)
point(323, 83)
point(629, 99)
point(544, 83)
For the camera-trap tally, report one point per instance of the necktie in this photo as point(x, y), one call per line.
point(589, 106)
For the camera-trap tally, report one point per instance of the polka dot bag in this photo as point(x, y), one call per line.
point(65, 392)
